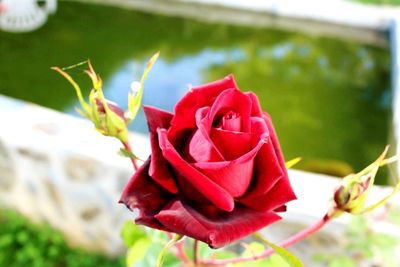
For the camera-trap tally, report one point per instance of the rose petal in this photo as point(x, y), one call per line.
point(275, 142)
point(217, 232)
point(143, 193)
point(280, 194)
point(232, 100)
point(231, 121)
point(256, 110)
point(197, 97)
point(159, 170)
point(231, 144)
point(267, 169)
point(200, 147)
point(234, 178)
point(212, 191)
point(235, 175)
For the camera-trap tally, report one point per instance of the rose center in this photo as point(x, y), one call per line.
point(231, 121)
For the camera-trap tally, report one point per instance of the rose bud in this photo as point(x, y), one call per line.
point(351, 195)
point(216, 172)
point(109, 118)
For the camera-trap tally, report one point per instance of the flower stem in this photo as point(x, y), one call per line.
point(196, 255)
point(181, 252)
point(128, 147)
point(268, 252)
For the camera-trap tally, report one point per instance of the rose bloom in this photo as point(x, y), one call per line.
point(216, 172)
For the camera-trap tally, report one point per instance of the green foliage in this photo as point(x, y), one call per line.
point(335, 91)
point(380, 2)
point(144, 246)
point(363, 246)
point(25, 244)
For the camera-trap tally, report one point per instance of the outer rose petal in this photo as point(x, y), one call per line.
point(256, 110)
point(280, 194)
point(217, 232)
point(143, 193)
point(197, 97)
point(275, 142)
point(159, 169)
point(212, 191)
point(267, 170)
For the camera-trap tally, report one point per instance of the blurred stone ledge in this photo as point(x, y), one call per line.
point(59, 169)
point(336, 18)
point(56, 168)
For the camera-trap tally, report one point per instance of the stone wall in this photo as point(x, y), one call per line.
point(58, 169)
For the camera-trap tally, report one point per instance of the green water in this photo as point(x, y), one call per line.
point(330, 99)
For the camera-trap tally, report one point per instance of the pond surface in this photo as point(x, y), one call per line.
point(330, 99)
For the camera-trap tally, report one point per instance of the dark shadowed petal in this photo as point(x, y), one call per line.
point(267, 169)
point(232, 100)
point(148, 220)
point(235, 175)
point(280, 194)
point(200, 147)
point(143, 193)
point(217, 232)
point(212, 191)
point(197, 97)
point(159, 171)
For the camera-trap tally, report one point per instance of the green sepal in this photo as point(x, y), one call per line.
point(128, 154)
point(289, 164)
point(134, 100)
point(78, 90)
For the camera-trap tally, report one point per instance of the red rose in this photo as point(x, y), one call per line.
point(216, 172)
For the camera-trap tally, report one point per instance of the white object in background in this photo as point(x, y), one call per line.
point(25, 15)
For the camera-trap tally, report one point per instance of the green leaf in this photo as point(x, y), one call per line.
point(137, 252)
point(253, 248)
point(290, 259)
point(131, 233)
point(342, 261)
point(128, 154)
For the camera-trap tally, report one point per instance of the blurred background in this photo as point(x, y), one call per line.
point(322, 69)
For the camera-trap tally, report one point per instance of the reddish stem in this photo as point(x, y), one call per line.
point(128, 147)
point(196, 255)
point(181, 252)
point(286, 243)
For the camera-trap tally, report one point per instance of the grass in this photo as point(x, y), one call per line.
point(25, 244)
